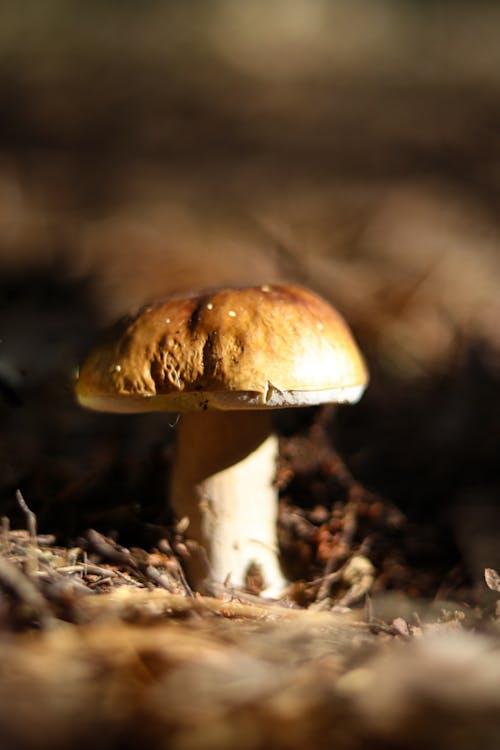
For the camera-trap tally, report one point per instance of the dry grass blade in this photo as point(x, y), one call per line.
point(129, 604)
point(32, 606)
point(30, 516)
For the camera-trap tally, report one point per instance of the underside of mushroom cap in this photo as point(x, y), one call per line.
point(259, 347)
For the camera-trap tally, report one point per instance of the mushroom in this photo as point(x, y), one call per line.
point(225, 359)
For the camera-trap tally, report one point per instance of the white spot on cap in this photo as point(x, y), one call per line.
point(167, 320)
point(232, 314)
point(319, 326)
point(265, 288)
point(210, 306)
point(117, 368)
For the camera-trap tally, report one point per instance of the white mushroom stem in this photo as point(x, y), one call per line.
point(223, 481)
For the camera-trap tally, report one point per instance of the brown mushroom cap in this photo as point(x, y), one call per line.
point(242, 348)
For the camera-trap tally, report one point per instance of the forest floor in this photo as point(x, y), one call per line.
point(179, 153)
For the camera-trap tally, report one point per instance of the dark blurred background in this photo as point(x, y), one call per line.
point(354, 147)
